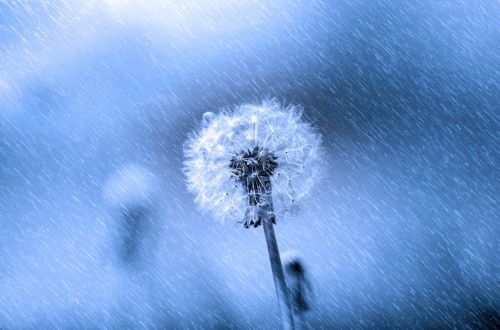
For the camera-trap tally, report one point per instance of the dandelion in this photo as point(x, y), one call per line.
point(251, 165)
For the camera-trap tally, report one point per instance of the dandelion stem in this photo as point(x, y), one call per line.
point(278, 273)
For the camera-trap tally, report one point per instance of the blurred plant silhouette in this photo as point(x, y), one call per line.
point(131, 193)
point(299, 286)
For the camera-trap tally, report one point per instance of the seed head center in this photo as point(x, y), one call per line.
point(253, 169)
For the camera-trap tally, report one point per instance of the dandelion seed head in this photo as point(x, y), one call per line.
point(238, 155)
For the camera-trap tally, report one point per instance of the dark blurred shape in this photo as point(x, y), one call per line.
point(133, 224)
point(299, 286)
point(131, 193)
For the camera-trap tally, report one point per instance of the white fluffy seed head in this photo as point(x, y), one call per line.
point(278, 130)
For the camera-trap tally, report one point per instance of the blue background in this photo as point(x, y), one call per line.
point(403, 232)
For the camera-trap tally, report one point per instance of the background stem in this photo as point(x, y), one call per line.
point(278, 273)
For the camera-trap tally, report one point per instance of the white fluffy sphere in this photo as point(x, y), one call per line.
point(280, 131)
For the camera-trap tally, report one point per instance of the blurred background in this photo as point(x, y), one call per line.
point(97, 229)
